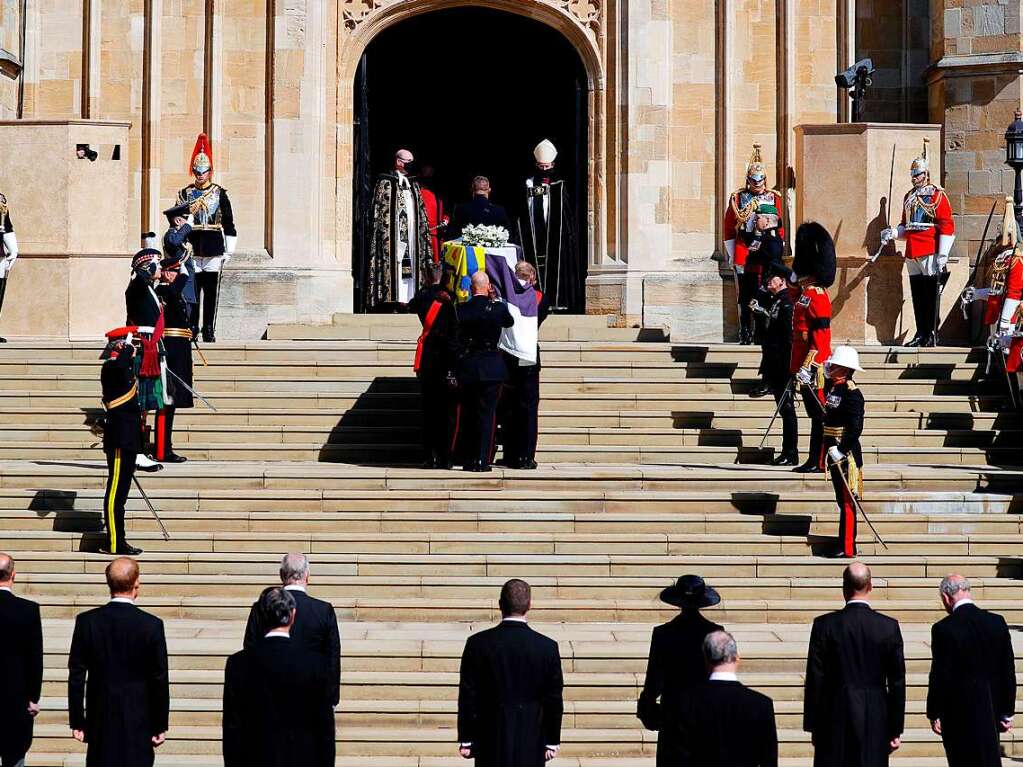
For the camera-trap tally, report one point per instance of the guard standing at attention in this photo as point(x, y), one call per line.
point(434, 358)
point(480, 370)
point(843, 425)
point(814, 268)
point(121, 435)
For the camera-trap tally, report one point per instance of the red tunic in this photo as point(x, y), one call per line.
point(1012, 288)
point(434, 216)
point(934, 215)
point(732, 226)
point(811, 325)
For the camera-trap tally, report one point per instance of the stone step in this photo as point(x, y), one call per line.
point(410, 454)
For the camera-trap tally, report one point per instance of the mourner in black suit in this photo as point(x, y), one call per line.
point(480, 371)
point(520, 401)
point(21, 668)
point(315, 625)
point(433, 367)
point(509, 690)
point(720, 722)
point(774, 317)
point(676, 662)
point(481, 211)
point(854, 702)
point(971, 696)
point(277, 710)
point(118, 693)
point(122, 437)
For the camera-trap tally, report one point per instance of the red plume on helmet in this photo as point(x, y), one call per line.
point(202, 155)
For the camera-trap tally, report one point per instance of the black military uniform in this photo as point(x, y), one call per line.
point(177, 339)
point(479, 212)
point(843, 425)
point(433, 367)
point(144, 309)
point(520, 403)
point(121, 440)
point(8, 249)
point(774, 316)
point(480, 371)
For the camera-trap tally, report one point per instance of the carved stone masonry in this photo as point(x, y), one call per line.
point(587, 13)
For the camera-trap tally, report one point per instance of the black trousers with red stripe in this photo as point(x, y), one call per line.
point(439, 402)
point(163, 433)
point(846, 509)
point(814, 408)
point(478, 420)
point(120, 470)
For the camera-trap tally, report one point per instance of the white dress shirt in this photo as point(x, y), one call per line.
point(961, 602)
point(724, 676)
point(123, 600)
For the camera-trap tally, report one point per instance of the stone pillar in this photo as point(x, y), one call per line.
point(843, 174)
point(72, 241)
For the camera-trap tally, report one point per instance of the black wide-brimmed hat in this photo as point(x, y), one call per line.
point(181, 209)
point(690, 591)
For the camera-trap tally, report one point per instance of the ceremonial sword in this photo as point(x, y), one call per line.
point(856, 504)
point(781, 404)
point(888, 217)
point(163, 529)
point(194, 393)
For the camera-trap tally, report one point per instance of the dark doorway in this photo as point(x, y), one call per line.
point(470, 91)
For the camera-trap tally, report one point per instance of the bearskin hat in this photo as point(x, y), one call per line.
point(815, 254)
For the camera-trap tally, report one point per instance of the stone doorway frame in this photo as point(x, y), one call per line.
point(579, 21)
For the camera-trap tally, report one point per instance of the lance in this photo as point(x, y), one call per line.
point(194, 393)
point(163, 528)
point(837, 465)
point(888, 217)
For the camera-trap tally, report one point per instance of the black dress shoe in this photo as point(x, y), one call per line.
point(930, 341)
point(527, 464)
point(760, 391)
point(477, 466)
point(124, 550)
point(208, 337)
point(429, 463)
point(786, 459)
point(917, 340)
point(3, 340)
point(838, 554)
point(174, 458)
point(807, 468)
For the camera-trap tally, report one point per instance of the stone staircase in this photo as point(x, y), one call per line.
point(649, 470)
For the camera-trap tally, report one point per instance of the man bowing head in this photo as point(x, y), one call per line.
point(509, 690)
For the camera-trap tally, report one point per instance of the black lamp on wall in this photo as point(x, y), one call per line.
point(1014, 159)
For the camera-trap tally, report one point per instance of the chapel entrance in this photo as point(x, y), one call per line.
point(470, 91)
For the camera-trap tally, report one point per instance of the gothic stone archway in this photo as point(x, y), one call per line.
point(582, 22)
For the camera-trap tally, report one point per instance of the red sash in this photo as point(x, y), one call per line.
point(150, 366)
point(431, 317)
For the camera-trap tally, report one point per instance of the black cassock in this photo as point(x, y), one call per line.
point(547, 232)
point(972, 684)
point(118, 690)
point(21, 673)
point(509, 696)
point(675, 664)
point(854, 700)
point(277, 710)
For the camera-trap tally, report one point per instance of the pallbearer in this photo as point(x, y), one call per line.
point(813, 273)
point(213, 236)
point(754, 236)
point(929, 232)
point(843, 425)
point(122, 439)
point(177, 336)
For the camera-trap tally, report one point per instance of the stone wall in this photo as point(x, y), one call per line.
point(896, 35)
point(10, 57)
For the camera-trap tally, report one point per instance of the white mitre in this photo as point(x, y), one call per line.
point(545, 152)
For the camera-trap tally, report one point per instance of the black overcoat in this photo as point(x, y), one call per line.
point(675, 664)
point(854, 700)
point(315, 628)
point(721, 723)
point(277, 710)
point(509, 696)
point(972, 684)
point(21, 672)
point(118, 690)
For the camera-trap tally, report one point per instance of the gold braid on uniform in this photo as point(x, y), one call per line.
point(915, 203)
point(3, 209)
point(201, 203)
point(747, 212)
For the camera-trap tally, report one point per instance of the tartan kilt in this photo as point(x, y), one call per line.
point(150, 389)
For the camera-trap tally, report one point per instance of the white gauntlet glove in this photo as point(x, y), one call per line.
point(835, 454)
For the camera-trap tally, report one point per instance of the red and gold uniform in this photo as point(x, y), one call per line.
point(1002, 311)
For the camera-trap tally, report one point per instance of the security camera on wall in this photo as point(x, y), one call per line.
point(855, 80)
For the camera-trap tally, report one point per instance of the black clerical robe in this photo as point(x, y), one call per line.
point(547, 232)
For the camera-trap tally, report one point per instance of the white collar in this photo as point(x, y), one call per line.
point(724, 676)
point(6, 588)
point(858, 602)
point(295, 587)
point(961, 602)
point(123, 600)
point(270, 634)
point(513, 619)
